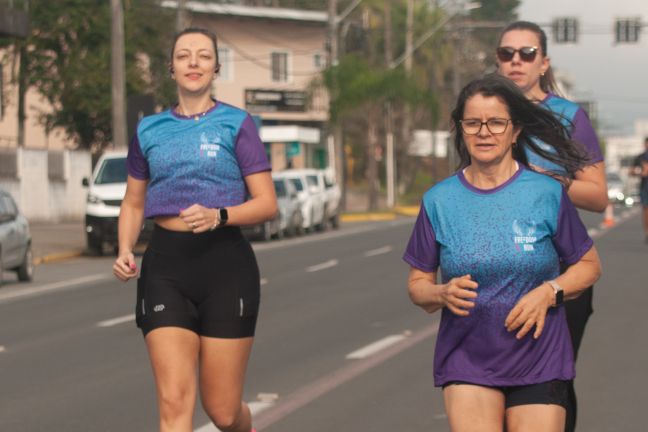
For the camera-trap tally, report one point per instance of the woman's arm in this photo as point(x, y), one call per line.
point(531, 309)
point(131, 217)
point(588, 191)
point(457, 295)
point(261, 206)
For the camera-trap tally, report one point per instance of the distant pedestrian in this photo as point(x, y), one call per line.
point(498, 231)
point(522, 57)
point(640, 168)
point(190, 169)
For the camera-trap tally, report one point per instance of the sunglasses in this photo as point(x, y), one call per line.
point(527, 54)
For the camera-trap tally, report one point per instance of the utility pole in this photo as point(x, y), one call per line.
point(118, 75)
point(181, 17)
point(335, 136)
point(389, 120)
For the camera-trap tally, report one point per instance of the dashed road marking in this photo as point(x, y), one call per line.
point(116, 321)
point(255, 408)
point(379, 251)
point(2, 348)
point(322, 266)
point(264, 281)
point(375, 347)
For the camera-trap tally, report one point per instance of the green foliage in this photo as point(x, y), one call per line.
point(68, 61)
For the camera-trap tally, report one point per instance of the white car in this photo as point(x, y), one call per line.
point(311, 199)
point(15, 240)
point(106, 190)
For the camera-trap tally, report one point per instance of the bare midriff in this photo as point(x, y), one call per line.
point(172, 223)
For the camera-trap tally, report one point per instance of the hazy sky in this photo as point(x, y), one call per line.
point(614, 76)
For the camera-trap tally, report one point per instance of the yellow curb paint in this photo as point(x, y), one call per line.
point(367, 217)
point(60, 256)
point(407, 210)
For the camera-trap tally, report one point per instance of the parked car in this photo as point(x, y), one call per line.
point(15, 240)
point(290, 215)
point(310, 196)
point(106, 189)
point(265, 231)
point(332, 199)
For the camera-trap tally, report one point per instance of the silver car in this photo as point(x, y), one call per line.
point(290, 215)
point(15, 240)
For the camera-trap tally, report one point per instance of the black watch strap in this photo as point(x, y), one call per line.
point(223, 216)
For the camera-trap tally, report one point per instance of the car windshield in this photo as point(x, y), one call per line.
point(298, 184)
point(112, 171)
point(280, 188)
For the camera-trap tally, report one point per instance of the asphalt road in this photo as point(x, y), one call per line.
point(339, 347)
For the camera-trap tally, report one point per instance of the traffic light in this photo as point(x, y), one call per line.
point(565, 30)
point(627, 30)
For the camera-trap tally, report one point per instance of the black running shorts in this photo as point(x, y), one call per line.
point(545, 393)
point(207, 283)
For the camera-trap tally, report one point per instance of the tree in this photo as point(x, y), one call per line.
point(67, 59)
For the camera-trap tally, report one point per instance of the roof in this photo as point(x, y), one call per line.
point(251, 12)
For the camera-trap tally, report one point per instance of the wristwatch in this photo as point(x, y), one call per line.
point(558, 292)
point(222, 216)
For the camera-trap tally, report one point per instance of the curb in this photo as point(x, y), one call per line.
point(409, 211)
point(58, 256)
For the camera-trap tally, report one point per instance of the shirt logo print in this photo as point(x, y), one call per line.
point(209, 147)
point(524, 235)
point(158, 308)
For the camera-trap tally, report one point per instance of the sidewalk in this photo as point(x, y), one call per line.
point(57, 241)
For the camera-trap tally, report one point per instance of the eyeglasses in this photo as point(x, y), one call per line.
point(527, 54)
point(495, 125)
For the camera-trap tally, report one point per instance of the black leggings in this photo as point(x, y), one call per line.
point(578, 312)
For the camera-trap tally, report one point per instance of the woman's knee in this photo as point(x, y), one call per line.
point(224, 419)
point(176, 401)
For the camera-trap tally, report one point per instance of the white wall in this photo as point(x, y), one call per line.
point(40, 199)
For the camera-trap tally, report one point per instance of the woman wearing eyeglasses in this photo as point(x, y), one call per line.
point(498, 231)
point(522, 57)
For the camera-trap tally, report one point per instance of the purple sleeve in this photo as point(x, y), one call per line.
point(135, 161)
point(583, 133)
point(250, 151)
point(571, 239)
point(422, 250)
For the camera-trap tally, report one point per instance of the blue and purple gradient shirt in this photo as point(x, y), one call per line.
point(195, 159)
point(510, 239)
point(575, 119)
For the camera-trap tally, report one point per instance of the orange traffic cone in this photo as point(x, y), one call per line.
point(608, 219)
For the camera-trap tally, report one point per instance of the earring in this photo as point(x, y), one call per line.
point(541, 74)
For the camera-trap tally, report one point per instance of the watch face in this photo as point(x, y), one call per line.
point(223, 216)
point(559, 297)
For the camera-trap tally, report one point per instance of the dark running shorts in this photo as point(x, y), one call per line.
point(207, 283)
point(546, 393)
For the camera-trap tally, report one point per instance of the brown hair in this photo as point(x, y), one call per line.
point(192, 30)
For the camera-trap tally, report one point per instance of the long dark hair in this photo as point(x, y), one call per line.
point(192, 30)
point(535, 122)
point(547, 80)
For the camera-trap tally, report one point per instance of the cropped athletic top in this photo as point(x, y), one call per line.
point(195, 159)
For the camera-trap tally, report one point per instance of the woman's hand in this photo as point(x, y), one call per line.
point(459, 294)
point(199, 218)
point(530, 310)
point(125, 267)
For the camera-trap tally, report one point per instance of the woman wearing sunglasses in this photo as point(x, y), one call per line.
point(497, 232)
point(522, 57)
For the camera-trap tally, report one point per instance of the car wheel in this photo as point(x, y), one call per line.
point(95, 248)
point(26, 269)
point(298, 225)
point(335, 221)
point(267, 234)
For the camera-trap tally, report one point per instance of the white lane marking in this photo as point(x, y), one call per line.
point(375, 347)
point(255, 408)
point(328, 235)
point(379, 251)
point(70, 283)
point(116, 321)
point(322, 266)
point(2, 348)
point(593, 232)
point(264, 281)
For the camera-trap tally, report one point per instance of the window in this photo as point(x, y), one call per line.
point(279, 66)
point(627, 30)
point(225, 59)
point(565, 30)
point(318, 61)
